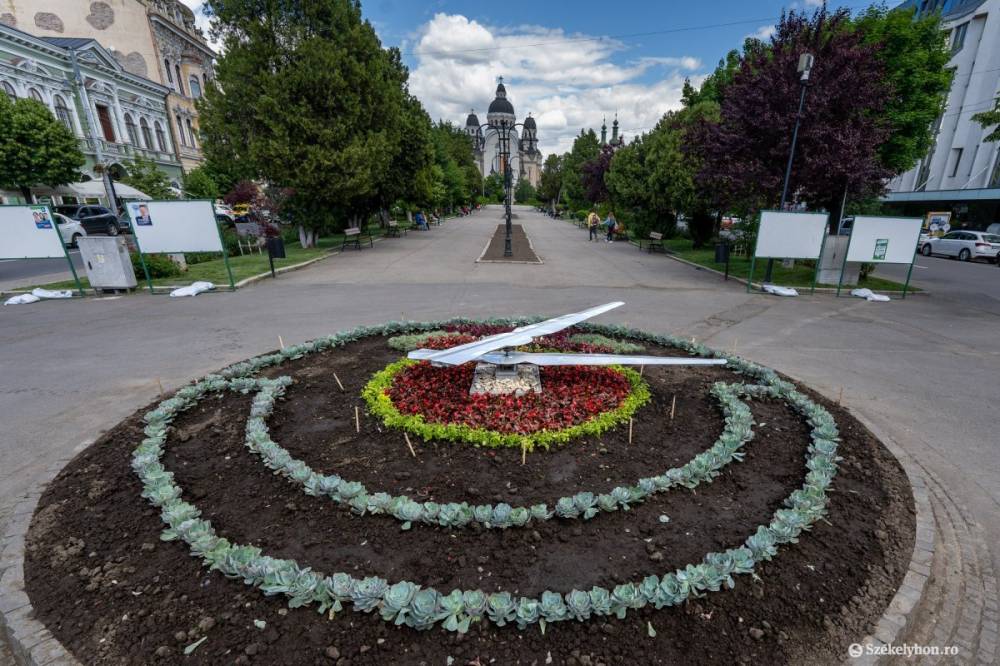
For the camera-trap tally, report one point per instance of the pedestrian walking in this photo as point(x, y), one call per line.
point(611, 223)
point(593, 221)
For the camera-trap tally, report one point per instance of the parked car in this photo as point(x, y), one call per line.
point(70, 230)
point(994, 229)
point(846, 224)
point(964, 245)
point(96, 220)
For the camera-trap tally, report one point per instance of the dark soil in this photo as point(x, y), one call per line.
point(520, 246)
point(106, 587)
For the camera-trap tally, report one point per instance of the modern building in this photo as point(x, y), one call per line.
point(155, 39)
point(116, 114)
point(960, 174)
point(526, 159)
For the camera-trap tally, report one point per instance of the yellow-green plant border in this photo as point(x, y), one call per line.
point(381, 406)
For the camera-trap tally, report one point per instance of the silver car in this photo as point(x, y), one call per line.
point(963, 245)
point(71, 230)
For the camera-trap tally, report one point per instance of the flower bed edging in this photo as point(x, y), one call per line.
point(407, 603)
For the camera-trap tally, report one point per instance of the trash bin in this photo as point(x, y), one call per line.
point(722, 253)
point(107, 262)
point(276, 247)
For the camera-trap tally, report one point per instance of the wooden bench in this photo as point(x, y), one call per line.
point(394, 229)
point(655, 241)
point(352, 236)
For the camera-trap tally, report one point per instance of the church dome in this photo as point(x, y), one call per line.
point(501, 105)
point(529, 123)
point(472, 120)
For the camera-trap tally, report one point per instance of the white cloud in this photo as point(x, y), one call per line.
point(567, 81)
point(764, 33)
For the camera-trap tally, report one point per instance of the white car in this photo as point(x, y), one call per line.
point(964, 245)
point(71, 230)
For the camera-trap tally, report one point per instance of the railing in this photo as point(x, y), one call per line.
point(126, 151)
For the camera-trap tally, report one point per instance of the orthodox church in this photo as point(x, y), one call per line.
point(526, 160)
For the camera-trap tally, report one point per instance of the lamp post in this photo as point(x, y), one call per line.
point(804, 68)
point(503, 129)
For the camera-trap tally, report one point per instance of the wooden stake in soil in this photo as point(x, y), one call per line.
point(338, 381)
point(524, 454)
point(357, 419)
point(630, 432)
point(281, 342)
point(840, 396)
point(673, 406)
point(160, 384)
point(407, 438)
point(641, 368)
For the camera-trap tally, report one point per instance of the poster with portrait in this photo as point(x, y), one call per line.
point(139, 212)
point(937, 223)
point(40, 216)
point(27, 232)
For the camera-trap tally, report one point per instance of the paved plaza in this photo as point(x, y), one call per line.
point(920, 372)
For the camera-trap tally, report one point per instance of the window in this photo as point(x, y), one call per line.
point(957, 152)
point(161, 140)
point(166, 66)
point(180, 82)
point(34, 94)
point(9, 90)
point(62, 113)
point(194, 142)
point(133, 136)
point(147, 138)
point(180, 131)
point(104, 118)
point(194, 87)
point(958, 37)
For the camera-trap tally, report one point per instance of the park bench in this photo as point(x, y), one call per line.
point(352, 236)
point(655, 242)
point(394, 229)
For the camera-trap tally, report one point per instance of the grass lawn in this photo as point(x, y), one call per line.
point(798, 276)
point(242, 266)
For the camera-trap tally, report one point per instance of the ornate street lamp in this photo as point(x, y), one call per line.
point(502, 129)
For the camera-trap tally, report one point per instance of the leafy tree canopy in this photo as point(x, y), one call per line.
point(551, 179)
point(145, 176)
point(199, 184)
point(35, 148)
point(586, 147)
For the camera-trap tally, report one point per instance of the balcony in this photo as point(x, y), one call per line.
point(124, 151)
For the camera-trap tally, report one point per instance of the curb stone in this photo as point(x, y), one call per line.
point(901, 609)
point(28, 639)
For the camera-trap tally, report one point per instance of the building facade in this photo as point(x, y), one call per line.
point(155, 39)
point(115, 114)
point(526, 160)
point(961, 172)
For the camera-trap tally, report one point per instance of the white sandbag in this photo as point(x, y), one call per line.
point(48, 293)
point(779, 291)
point(192, 289)
point(869, 295)
point(23, 299)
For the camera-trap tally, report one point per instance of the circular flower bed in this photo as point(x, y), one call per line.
point(435, 403)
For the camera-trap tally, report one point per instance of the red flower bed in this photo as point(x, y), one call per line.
point(560, 341)
point(570, 396)
point(447, 341)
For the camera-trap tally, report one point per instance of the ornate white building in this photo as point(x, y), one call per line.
point(526, 160)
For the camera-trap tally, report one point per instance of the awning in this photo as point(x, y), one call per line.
point(983, 194)
point(91, 188)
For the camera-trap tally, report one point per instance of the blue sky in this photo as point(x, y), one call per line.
point(570, 64)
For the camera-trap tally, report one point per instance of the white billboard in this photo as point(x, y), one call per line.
point(790, 235)
point(175, 226)
point(29, 232)
point(884, 240)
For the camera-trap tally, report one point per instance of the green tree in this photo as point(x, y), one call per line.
point(199, 184)
point(524, 192)
point(35, 148)
point(713, 85)
point(586, 147)
point(914, 53)
point(493, 187)
point(312, 103)
point(550, 183)
point(145, 176)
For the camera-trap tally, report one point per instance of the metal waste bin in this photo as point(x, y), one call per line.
point(107, 262)
point(722, 253)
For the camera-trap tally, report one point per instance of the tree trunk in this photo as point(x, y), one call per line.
point(26, 193)
point(836, 207)
point(307, 237)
